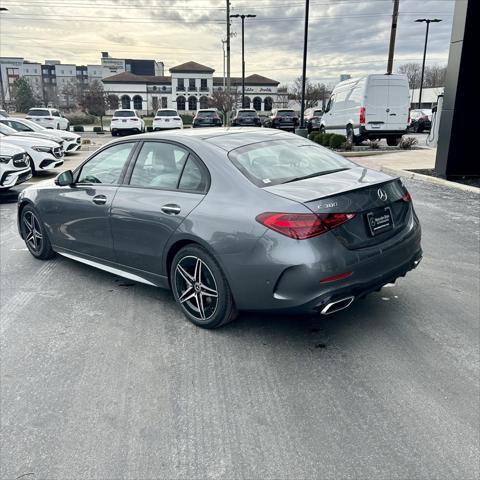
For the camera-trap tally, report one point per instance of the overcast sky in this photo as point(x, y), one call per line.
point(345, 36)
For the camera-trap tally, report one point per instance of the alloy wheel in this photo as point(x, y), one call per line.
point(33, 232)
point(196, 288)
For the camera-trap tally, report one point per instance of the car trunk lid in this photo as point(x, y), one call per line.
point(376, 199)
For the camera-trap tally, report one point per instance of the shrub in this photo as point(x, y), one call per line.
point(187, 119)
point(98, 129)
point(348, 146)
point(325, 139)
point(78, 128)
point(80, 118)
point(406, 143)
point(373, 144)
point(337, 141)
point(149, 128)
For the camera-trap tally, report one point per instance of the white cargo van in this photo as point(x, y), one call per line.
point(371, 107)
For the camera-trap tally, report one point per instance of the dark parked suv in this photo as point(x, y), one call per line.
point(312, 119)
point(284, 119)
point(246, 117)
point(207, 117)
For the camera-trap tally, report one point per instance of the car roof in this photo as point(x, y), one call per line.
point(226, 138)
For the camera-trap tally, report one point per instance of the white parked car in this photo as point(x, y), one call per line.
point(71, 142)
point(167, 118)
point(48, 118)
point(43, 154)
point(126, 120)
point(14, 165)
point(44, 136)
point(371, 107)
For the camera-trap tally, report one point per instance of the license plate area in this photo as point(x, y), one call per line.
point(380, 221)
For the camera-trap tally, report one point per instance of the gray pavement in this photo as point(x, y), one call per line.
point(102, 378)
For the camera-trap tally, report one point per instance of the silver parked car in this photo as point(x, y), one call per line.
point(229, 219)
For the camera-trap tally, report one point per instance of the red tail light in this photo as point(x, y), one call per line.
point(362, 115)
point(302, 225)
point(407, 197)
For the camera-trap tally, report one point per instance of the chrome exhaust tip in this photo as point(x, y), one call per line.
point(336, 306)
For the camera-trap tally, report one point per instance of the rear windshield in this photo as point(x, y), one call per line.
point(285, 113)
point(123, 113)
point(282, 161)
point(38, 112)
point(167, 113)
point(317, 113)
point(207, 114)
point(247, 113)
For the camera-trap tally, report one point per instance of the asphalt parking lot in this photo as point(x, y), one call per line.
point(104, 378)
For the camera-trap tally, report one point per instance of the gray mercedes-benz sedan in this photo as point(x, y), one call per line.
point(228, 219)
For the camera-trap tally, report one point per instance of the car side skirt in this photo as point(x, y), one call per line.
point(116, 269)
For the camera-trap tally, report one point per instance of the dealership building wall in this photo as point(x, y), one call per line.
point(187, 89)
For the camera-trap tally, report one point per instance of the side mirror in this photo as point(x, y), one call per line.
point(64, 179)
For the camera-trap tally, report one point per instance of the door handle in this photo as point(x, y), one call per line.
point(171, 209)
point(99, 199)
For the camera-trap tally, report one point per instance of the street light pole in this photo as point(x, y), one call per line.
point(243, 17)
point(227, 113)
point(302, 130)
point(428, 21)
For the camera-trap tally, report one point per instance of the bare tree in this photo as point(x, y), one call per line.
point(95, 101)
point(281, 98)
point(434, 75)
point(223, 101)
point(413, 71)
point(70, 94)
point(315, 93)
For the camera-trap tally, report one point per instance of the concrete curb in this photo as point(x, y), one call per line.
point(428, 179)
point(371, 153)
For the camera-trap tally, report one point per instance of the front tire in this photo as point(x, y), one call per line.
point(200, 288)
point(35, 234)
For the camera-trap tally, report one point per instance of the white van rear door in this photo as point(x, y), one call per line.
point(376, 115)
point(398, 104)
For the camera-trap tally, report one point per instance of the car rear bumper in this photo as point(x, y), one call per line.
point(380, 133)
point(166, 126)
point(288, 275)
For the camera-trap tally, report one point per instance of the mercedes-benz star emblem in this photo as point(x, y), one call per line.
point(382, 195)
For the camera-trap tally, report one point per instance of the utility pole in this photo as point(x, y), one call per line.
point(302, 131)
point(223, 48)
point(243, 17)
point(227, 115)
point(393, 35)
point(428, 21)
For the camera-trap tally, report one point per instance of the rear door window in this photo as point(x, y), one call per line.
point(159, 165)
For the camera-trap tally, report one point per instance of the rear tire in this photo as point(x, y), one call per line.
point(393, 141)
point(350, 135)
point(200, 288)
point(35, 234)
